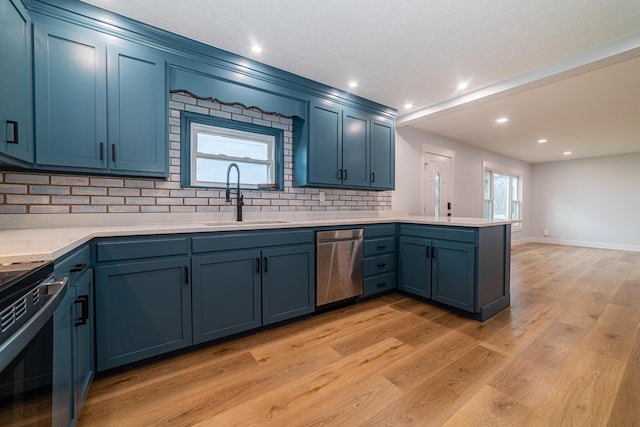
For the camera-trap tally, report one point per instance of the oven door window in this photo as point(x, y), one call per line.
point(26, 383)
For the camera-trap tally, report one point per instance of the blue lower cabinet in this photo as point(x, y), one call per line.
point(288, 289)
point(226, 294)
point(84, 326)
point(415, 266)
point(453, 274)
point(143, 309)
point(64, 410)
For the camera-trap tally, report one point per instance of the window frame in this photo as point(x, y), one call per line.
point(512, 173)
point(189, 120)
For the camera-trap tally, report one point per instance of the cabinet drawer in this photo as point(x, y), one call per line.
point(381, 230)
point(379, 283)
point(72, 266)
point(460, 234)
point(379, 246)
point(122, 249)
point(231, 240)
point(379, 264)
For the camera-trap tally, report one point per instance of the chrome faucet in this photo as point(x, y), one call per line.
point(239, 197)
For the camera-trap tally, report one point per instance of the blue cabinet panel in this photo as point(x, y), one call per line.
point(379, 246)
point(142, 309)
point(355, 149)
point(379, 283)
point(453, 274)
point(382, 154)
point(16, 102)
point(415, 266)
point(64, 344)
point(288, 289)
point(226, 294)
point(85, 338)
point(70, 94)
point(325, 150)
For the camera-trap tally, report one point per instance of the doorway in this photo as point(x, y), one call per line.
point(437, 181)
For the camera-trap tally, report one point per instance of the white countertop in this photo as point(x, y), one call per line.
point(49, 243)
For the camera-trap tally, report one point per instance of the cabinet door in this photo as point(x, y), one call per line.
point(288, 287)
point(382, 155)
point(355, 149)
point(325, 148)
point(137, 104)
point(226, 294)
point(16, 117)
point(70, 95)
point(64, 345)
point(453, 274)
point(142, 310)
point(415, 266)
point(84, 327)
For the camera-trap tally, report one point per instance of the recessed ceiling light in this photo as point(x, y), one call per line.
point(353, 84)
point(542, 140)
point(408, 106)
point(567, 153)
point(502, 119)
point(256, 48)
point(463, 85)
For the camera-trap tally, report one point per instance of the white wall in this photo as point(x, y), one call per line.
point(467, 175)
point(590, 202)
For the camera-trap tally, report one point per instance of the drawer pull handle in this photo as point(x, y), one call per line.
point(381, 285)
point(382, 265)
point(78, 268)
point(381, 247)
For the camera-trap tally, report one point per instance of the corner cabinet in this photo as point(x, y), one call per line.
point(16, 101)
point(100, 102)
point(466, 268)
point(346, 148)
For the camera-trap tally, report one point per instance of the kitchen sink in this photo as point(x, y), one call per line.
point(247, 223)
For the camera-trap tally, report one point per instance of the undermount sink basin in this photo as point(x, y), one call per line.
point(247, 223)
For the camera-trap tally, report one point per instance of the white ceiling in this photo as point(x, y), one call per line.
point(565, 70)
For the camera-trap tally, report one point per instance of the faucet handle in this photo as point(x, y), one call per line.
point(240, 200)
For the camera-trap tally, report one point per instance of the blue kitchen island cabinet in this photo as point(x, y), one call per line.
point(100, 102)
point(143, 309)
point(16, 101)
point(463, 267)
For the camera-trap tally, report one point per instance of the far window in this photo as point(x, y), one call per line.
point(502, 193)
point(214, 143)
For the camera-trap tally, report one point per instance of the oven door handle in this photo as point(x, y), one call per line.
point(54, 289)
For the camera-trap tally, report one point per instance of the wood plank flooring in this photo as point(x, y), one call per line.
point(566, 353)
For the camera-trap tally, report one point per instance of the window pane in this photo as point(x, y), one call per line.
point(487, 209)
point(500, 196)
point(487, 185)
point(515, 188)
point(233, 147)
point(515, 210)
point(215, 171)
point(437, 198)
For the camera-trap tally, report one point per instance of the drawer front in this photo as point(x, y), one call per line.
point(380, 230)
point(231, 240)
point(132, 248)
point(439, 232)
point(72, 266)
point(379, 246)
point(379, 264)
point(379, 283)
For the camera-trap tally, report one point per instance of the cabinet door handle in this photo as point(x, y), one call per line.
point(373, 177)
point(266, 264)
point(78, 268)
point(12, 129)
point(186, 275)
point(257, 265)
point(113, 152)
point(101, 151)
point(340, 174)
point(433, 253)
point(83, 300)
point(345, 175)
point(428, 251)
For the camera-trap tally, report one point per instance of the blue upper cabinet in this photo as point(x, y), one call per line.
point(346, 148)
point(99, 104)
point(16, 105)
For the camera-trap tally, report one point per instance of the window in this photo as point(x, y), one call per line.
point(210, 144)
point(502, 193)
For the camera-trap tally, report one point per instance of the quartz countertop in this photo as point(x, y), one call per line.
point(49, 243)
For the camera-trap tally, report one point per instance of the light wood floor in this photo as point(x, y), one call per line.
point(567, 353)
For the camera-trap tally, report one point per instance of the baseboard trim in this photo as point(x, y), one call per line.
point(581, 243)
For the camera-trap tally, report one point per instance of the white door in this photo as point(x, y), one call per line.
point(437, 188)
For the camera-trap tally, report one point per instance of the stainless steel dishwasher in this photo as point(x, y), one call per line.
point(339, 265)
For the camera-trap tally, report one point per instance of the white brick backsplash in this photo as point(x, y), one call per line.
point(32, 193)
